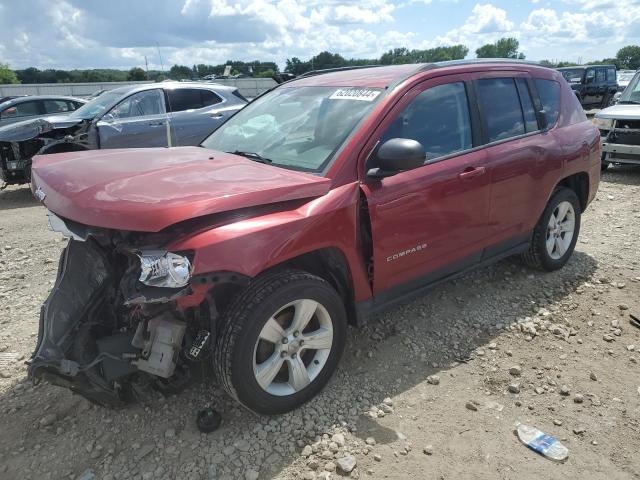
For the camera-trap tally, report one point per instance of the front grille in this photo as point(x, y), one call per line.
point(628, 124)
point(624, 138)
point(625, 132)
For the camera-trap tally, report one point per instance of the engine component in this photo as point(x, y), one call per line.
point(160, 340)
point(119, 346)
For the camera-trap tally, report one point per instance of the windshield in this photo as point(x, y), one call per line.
point(97, 106)
point(573, 75)
point(295, 127)
point(631, 94)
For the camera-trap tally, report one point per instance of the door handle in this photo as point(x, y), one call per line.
point(471, 172)
point(155, 124)
point(216, 116)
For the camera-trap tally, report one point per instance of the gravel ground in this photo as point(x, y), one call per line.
point(431, 389)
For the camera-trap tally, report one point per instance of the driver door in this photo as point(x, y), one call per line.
point(431, 221)
point(140, 120)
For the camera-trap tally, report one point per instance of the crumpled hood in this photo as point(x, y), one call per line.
point(20, 131)
point(621, 111)
point(150, 189)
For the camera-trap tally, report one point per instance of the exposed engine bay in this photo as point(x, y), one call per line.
point(20, 142)
point(108, 332)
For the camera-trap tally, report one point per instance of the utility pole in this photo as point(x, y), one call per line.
point(160, 55)
point(146, 65)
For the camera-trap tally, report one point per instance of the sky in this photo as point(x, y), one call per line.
point(70, 34)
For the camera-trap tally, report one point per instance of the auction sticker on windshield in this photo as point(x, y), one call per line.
point(362, 94)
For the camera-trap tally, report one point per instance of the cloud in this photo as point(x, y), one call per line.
point(486, 23)
point(120, 33)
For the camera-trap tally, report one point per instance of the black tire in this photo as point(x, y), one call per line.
point(242, 323)
point(538, 256)
point(603, 163)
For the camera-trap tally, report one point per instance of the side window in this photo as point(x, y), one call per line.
point(438, 118)
point(24, 109)
point(590, 76)
point(56, 106)
point(530, 120)
point(601, 75)
point(209, 98)
point(549, 92)
point(500, 107)
point(611, 75)
point(141, 104)
point(181, 99)
point(75, 105)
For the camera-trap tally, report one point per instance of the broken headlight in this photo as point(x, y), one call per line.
point(164, 269)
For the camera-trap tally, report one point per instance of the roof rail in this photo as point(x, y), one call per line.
point(311, 73)
point(472, 61)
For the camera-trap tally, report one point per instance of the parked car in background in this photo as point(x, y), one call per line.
point(321, 202)
point(10, 97)
point(18, 109)
point(150, 115)
point(624, 78)
point(620, 127)
point(594, 85)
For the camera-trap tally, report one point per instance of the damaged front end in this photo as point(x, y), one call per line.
point(20, 142)
point(120, 320)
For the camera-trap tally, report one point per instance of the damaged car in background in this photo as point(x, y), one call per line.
point(619, 127)
point(321, 202)
point(150, 115)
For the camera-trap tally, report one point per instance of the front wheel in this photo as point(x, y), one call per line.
point(281, 341)
point(555, 236)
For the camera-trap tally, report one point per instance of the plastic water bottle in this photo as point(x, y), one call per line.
point(542, 443)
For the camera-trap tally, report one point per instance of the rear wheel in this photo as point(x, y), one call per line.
point(281, 341)
point(555, 235)
point(603, 163)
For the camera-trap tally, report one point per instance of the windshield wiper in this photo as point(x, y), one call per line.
point(252, 156)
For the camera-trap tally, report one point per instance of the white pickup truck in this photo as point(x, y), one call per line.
point(620, 127)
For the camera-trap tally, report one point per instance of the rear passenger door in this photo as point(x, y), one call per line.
point(521, 158)
point(193, 116)
point(431, 221)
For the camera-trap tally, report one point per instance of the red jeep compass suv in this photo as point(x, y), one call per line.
point(320, 202)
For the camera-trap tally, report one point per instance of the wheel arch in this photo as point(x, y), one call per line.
point(579, 183)
point(330, 264)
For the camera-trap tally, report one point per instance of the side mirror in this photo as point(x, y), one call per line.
point(108, 118)
point(394, 156)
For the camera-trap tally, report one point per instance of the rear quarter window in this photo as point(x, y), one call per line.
point(182, 99)
point(549, 93)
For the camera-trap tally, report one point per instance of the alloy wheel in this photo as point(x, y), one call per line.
point(293, 347)
point(560, 230)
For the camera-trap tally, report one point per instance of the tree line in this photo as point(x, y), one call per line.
point(626, 58)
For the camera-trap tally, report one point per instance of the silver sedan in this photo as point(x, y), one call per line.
point(30, 107)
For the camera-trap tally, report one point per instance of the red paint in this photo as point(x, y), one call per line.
point(152, 188)
point(458, 207)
